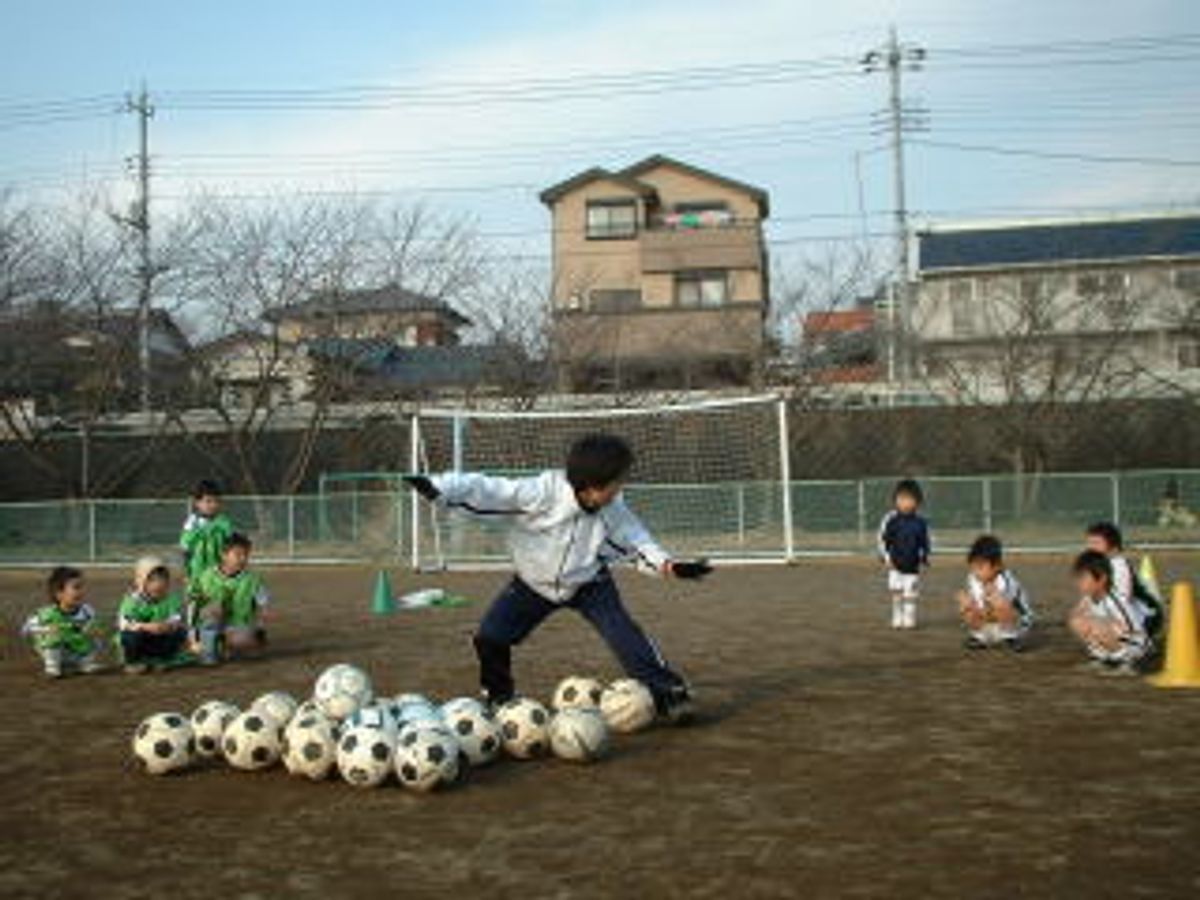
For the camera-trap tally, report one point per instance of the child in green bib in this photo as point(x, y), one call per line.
point(64, 633)
point(150, 622)
point(228, 605)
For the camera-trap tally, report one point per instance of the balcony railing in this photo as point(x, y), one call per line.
point(737, 245)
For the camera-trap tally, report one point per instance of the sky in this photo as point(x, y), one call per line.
point(470, 130)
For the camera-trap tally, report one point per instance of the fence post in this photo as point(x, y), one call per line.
point(785, 470)
point(862, 512)
point(741, 513)
point(1115, 478)
point(291, 532)
point(987, 504)
point(414, 466)
point(91, 530)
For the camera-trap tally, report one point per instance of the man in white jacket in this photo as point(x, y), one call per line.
point(565, 528)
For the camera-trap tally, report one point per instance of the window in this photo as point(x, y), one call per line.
point(1109, 292)
point(610, 300)
point(702, 288)
point(961, 296)
point(1188, 280)
point(609, 219)
point(1188, 354)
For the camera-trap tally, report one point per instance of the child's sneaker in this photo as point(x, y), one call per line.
point(1015, 644)
point(89, 665)
point(135, 669)
point(678, 706)
point(1119, 670)
point(52, 663)
point(974, 643)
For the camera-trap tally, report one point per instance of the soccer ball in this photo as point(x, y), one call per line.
point(428, 758)
point(341, 690)
point(524, 726)
point(627, 706)
point(279, 705)
point(404, 699)
point(307, 708)
point(375, 716)
point(310, 746)
point(364, 755)
point(475, 728)
point(252, 741)
point(416, 711)
point(164, 743)
point(578, 735)
point(577, 693)
point(209, 722)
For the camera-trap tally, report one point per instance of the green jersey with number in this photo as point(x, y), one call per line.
point(240, 595)
point(202, 541)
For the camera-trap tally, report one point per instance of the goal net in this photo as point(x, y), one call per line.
point(708, 479)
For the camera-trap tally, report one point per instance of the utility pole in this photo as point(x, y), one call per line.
point(140, 222)
point(895, 58)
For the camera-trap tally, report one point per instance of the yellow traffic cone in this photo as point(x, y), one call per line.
point(1148, 575)
point(1182, 668)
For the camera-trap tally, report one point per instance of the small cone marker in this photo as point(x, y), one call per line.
point(1182, 668)
point(1148, 575)
point(383, 603)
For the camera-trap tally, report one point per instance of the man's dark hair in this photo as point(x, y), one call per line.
point(987, 547)
point(58, 579)
point(1095, 564)
point(909, 486)
point(237, 539)
point(1107, 531)
point(598, 460)
point(206, 487)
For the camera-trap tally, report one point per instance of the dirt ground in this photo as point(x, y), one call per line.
point(834, 758)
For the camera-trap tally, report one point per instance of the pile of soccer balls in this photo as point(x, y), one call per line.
point(366, 737)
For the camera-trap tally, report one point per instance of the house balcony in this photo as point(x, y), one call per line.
point(674, 249)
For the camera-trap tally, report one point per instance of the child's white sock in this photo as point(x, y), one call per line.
point(897, 613)
point(909, 615)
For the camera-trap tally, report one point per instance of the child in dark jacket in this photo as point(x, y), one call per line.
point(904, 550)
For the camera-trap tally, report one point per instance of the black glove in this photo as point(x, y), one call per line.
point(423, 486)
point(692, 571)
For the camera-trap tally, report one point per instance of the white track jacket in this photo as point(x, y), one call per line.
point(556, 545)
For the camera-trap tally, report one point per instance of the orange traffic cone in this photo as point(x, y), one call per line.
point(1182, 668)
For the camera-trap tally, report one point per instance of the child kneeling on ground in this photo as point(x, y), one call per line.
point(1109, 625)
point(150, 623)
point(64, 632)
point(228, 605)
point(994, 606)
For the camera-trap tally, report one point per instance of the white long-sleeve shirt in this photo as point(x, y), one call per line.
point(557, 546)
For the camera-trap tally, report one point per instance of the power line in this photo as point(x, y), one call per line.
point(1059, 155)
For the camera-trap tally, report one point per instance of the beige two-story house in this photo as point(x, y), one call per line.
point(660, 277)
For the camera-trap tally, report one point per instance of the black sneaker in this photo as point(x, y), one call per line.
point(974, 643)
point(1016, 645)
point(677, 706)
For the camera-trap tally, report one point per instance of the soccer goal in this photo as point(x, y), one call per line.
point(709, 478)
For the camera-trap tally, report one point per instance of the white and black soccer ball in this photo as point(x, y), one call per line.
point(413, 712)
point(627, 706)
point(577, 692)
point(341, 690)
point(164, 743)
point(579, 735)
point(310, 746)
point(364, 756)
point(252, 741)
point(279, 705)
point(209, 722)
point(308, 707)
point(524, 726)
point(475, 728)
point(428, 758)
point(376, 716)
point(403, 699)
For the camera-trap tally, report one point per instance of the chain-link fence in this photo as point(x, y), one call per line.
point(729, 520)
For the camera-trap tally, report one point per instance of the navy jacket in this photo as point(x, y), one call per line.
point(904, 541)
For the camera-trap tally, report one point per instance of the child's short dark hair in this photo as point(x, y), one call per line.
point(159, 572)
point(987, 547)
point(598, 460)
point(237, 539)
point(1108, 532)
point(1094, 563)
point(910, 487)
point(59, 578)
point(206, 487)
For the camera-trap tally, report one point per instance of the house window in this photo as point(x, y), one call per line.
point(1188, 354)
point(702, 288)
point(609, 219)
point(614, 300)
point(1188, 280)
point(961, 296)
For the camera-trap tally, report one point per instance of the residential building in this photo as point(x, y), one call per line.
point(406, 318)
point(660, 277)
point(841, 346)
point(1081, 309)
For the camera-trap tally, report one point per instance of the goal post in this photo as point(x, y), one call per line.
point(710, 477)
